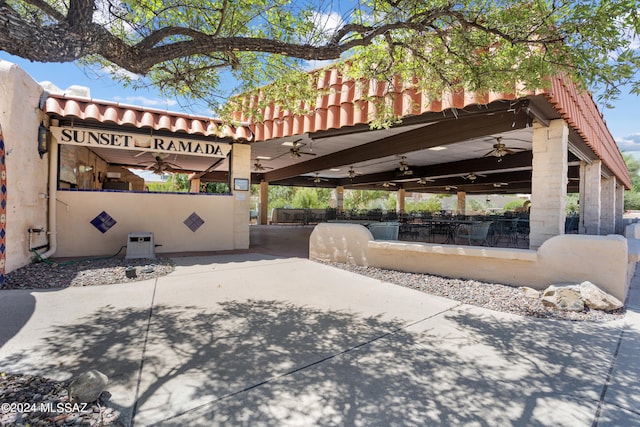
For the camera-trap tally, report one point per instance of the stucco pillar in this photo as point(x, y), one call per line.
point(549, 181)
point(339, 192)
point(194, 185)
point(619, 209)
point(581, 198)
point(462, 203)
point(400, 200)
point(590, 210)
point(608, 206)
point(263, 214)
point(240, 169)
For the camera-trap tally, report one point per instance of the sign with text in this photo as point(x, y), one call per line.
point(176, 144)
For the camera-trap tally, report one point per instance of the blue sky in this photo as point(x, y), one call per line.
point(623, 120)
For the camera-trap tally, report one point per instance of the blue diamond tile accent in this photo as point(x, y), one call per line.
point(193, 222)
point(2, 233)
point(103, 222)
point(2, 248)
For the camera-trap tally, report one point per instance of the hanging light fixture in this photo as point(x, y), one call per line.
point(43, 140)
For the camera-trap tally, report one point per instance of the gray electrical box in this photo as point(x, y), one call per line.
point(140, 245)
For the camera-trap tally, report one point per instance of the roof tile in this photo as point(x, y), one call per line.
point(109, 112)
point(355, 100)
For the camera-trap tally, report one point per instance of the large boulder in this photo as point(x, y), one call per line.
point(595, 298)
point(88, 386)
point(565, 298)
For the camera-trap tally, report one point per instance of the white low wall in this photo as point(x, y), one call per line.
point(161, 214)
point(603, 260)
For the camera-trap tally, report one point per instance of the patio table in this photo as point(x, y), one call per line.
point(446, 227)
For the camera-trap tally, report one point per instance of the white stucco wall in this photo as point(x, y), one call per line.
point(603, 260)
point(26, 171)
point(161, 214)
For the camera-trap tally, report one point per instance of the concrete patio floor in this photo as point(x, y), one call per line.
point(265, 339)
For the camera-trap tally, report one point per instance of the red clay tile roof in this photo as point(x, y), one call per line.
point(346, 104)
point(119, 114)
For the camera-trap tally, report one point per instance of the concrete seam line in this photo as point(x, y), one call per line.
point(144, 350)
point(614, 359)
point(309, 365)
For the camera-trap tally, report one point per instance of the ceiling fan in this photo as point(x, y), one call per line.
point(473, 176)
point(160, 165)
point(352, 173)
point(500, 184)
point(450, 187)
point(317, 179)
point(424, 181)
point(500, 149)
point(404, 168)
point(258, 167)
point(295, 152)
point(388, 184)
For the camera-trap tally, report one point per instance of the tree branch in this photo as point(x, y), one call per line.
point(46, 8)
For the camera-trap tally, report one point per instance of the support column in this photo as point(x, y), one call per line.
point(194, 185)
point(581, 199)
point(608, 206)
point(400, 200)
point(462, 203)
point(263, 213)
point(549, 181)
point(591, 208)
point(240, 168)
point(339, 192)
point(619, 209)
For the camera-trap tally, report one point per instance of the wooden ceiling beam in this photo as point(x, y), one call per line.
point(437, 134)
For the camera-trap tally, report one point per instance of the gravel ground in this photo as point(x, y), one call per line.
point(493, 296)
point(34, 389)
point(42, 275)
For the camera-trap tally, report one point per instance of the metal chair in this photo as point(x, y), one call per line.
point(506, 228)
point(476, 232)
point(385, 230)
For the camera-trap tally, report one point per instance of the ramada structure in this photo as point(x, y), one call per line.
point(68, 191)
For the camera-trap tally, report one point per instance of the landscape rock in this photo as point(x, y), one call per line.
point(88, 386)
point(595, 298)
point(530, 292)
point(565, 298)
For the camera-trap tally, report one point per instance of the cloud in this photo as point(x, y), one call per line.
point(146, 102)
point(327, 22)
point(325, 25)
point(120, 73)
point(629, 143)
